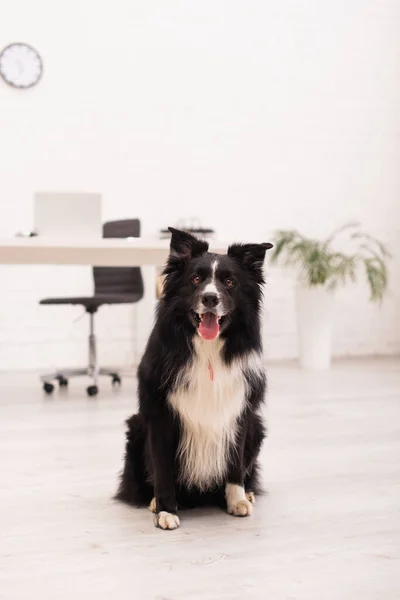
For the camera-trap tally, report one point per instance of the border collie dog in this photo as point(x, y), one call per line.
point(198, 432)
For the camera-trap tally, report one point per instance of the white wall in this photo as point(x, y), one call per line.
point(251, 115)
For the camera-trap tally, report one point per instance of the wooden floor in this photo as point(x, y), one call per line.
point(329, 528)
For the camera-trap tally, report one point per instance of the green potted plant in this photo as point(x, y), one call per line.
point(322, 268)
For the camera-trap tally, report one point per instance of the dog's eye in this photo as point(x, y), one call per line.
point(229, 282)
point(196, 279)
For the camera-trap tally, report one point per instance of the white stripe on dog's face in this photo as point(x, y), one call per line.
point(211, 288)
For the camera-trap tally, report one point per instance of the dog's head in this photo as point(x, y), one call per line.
point(210, 288)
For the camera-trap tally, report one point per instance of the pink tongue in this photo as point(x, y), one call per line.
point(209, 327)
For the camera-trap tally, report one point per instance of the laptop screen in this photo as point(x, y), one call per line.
point(68, 214)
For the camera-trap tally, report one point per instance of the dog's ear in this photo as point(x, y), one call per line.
point(184, 245)
point(250, 256)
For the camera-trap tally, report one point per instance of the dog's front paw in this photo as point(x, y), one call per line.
point(243, 508)
point(238, 502)
point(166, 520)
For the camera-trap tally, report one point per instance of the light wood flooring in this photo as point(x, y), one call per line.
point(329, 528)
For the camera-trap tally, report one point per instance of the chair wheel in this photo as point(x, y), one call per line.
point(63, 381)
point(116, 379)
point(48, 387)
point(92, 390)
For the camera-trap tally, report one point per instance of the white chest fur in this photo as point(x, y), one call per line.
point(209, 398)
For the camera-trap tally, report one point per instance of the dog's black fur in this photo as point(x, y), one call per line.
point(152, 460)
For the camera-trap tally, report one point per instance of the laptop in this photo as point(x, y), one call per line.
point(68, 215)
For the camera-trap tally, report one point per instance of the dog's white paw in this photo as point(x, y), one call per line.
point(153, 506)
point(243, 508)
point(166, 520)
point(251, 498)
point(238, 502)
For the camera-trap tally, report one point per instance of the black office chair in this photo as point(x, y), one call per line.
point(112, 285)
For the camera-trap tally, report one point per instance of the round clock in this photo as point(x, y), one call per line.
point(20, 65)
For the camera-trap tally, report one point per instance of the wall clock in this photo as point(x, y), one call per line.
point(20, 65)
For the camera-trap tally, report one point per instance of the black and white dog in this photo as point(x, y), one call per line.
point(196, 438)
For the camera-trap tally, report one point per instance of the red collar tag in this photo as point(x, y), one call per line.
point(211, 371)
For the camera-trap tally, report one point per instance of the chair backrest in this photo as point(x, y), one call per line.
point(119, 280)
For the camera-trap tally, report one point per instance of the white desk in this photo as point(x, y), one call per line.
point(101, 252)
point(147, 253)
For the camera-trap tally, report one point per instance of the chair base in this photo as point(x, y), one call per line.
point(63, 376)
point(92, 370)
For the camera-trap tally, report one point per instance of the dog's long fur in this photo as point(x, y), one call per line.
point(198, 432)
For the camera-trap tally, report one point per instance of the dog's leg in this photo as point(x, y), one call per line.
point(254, 439)
point(162, 454)
point(134, 487)
point(237, 502)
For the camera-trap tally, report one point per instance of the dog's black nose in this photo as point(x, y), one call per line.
point(210, 300)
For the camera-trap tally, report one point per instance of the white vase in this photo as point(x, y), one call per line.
point(314, 308)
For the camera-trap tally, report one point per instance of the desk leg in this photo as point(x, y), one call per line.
point(145, 310)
